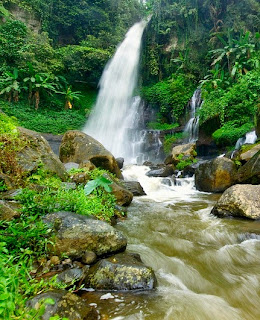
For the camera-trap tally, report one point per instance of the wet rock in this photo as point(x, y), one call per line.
point(76, 234)
point(250, 172)
point(216, 175)
point(78, 147)
point(121, 272)
point(71, 165)
point(122, 195)
point(167, 182)
point(71, 276)
point(134, 187)
point(246, 156)
point(148, 164)
point(65, 304)
point(120, 162)
point(37, 151)
point(239, 201)
point(166, 171)
point(186, 150)
point(9, 210)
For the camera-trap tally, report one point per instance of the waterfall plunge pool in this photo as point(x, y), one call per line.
point(207, 268)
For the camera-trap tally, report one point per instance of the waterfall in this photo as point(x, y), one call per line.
point(114, 116)
point(191, 129)
point(249, 138)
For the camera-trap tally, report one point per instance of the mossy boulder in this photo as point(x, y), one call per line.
point(216, 175)
point(183, 151)
point(121, 272)
point(76, 234)
point(250, 172)
point(37, 151)
point(241, 201)
point(78, 147)
point(64, 304)
point(9, 210)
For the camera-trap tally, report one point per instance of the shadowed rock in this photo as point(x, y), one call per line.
point(78, 147)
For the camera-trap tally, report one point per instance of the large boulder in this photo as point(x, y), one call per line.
point(78, 147)
point(216, 175)
point(76, 234)
point(250, 172)
point(38, 151)
point(239, 201)
point(121, 272)
point(185, 151)
point(64, 304)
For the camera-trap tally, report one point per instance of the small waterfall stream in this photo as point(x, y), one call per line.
point(191, 129)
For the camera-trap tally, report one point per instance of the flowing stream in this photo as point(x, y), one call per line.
point(207, 268)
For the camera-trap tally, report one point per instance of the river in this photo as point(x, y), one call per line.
point(207, 268)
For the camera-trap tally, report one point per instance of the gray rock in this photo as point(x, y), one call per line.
point(37, 151)
point(239, 201)
point(216, 175)
point(65, 304)
point(121, 272)
point(134, 187)
point(76, 234)
point(77, 146)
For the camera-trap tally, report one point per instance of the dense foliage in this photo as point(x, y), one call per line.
point(215, 43)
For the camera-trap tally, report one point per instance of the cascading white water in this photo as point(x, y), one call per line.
point(192, 126)
point(115, 111)
point(249, 138)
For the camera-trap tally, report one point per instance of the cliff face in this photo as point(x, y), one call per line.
point(30, 18)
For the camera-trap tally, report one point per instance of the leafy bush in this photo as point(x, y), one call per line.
point(162, 126)
point(171, 96)
point(238, 102)
point(169, 140)
point(230, 132)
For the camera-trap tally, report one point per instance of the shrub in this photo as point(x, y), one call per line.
point(171, 96)
point(230, 132)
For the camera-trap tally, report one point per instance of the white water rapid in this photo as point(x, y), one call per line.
point(114, 115)
point(192, 127)
point(249, 138)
